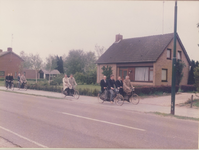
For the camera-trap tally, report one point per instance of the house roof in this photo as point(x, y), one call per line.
point(138, 50)
point(7, 52)
point(50, 72)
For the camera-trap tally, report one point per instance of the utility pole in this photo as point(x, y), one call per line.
point(174, 64)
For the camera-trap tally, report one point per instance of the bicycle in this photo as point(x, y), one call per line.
point(10, 86)
point(118, 98)
point(133, 98)
point(24, 86)
point(75, 95)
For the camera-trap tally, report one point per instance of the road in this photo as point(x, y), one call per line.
point(36, 122)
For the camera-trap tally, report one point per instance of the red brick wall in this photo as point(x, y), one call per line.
point(10, 63)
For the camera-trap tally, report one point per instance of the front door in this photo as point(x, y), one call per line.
point(123, 72)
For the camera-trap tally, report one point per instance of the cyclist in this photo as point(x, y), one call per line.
point(127, 86)
point(119, 85)
point(11, 79)
point(111, 84)
point(7, 80)
point(73, 83)
point(104, 85)
point(23, 80)
point(66, 85)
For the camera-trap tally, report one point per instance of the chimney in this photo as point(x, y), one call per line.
point(1, 50)
point(118, 37)
point(9, 49)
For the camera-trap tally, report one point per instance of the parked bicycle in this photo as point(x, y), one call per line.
point(75, 95)
point(118, 98)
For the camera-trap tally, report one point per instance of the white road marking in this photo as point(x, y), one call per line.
point(120, 125)
point(23, 137)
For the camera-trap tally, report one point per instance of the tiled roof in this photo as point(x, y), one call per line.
point(51, 72)
point(7, 52)
point(136, 50)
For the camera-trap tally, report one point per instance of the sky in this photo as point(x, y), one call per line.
point(57, 26)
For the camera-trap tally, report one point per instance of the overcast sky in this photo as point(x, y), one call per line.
point(56, 27)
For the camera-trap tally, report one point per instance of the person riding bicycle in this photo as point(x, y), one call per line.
point(11, 80)
point(73, 83)
point(104, 85)
point(23, 80)
point(119, 85)
point(127, 86)
point(111, 84)
point(66, 85)
point(7, 80)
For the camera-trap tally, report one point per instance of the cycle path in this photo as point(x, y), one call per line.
point(160, 104)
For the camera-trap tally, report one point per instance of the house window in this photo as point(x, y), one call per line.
point(151, 74)
point(168, 53)
point(142, 74)
point(2, 73)
point(164, 75)
point(179, 54)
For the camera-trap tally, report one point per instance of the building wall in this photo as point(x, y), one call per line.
point(164, 63)
point(10, 63)
point(99, 71)
point(30, 74)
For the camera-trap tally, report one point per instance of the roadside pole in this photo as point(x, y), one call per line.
point(174, 64)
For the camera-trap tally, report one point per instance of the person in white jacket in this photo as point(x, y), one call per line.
point(66, 85)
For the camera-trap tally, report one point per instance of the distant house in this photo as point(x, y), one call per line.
point(147, 60)
point(44, 74)
point(10, 63)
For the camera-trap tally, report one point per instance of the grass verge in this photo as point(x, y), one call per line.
point(175, 116)
point(30, 94)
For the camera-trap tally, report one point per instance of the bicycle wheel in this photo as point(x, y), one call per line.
point(134, 99)
point(99, 99)
point(12, 87)
point(119, 100)
point(76, 94)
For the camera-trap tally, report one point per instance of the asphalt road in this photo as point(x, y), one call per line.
point(36, 122)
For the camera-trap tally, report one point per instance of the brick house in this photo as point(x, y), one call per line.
point(147, 60)
point(10, 63)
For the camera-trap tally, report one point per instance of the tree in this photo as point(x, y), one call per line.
point(36, 63)
point(75, 62)
point(51, 63)
point(179, 68)
point(191, 79)
point(99, 50)
point(107, 71)
point(90, 60)
point(196, 76)
point(60, 64)
point(27, 63)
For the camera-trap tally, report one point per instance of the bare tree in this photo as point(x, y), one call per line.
point(36, 63)
point(99, 50)
point(51, 63)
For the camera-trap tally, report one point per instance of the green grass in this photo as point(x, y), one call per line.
point(196, 102)
point(175, 116)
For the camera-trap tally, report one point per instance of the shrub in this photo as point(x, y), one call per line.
point(58, 79)
point(80, 77)
point(196, 76)
point(147, 90)
point(188, 88)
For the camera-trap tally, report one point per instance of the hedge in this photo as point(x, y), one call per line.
point(188, 88)
point(147, 90)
